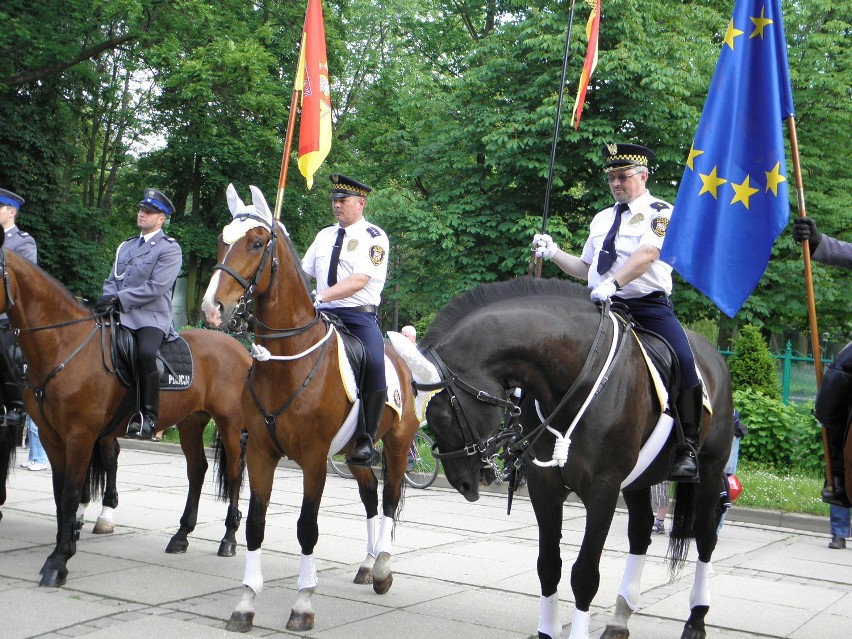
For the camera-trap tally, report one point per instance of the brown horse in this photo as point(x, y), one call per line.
point(296, 404)
point(73, 394)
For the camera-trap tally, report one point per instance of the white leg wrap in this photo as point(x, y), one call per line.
point(253, 577)
point(700, 595)
point(384, 543)
point(81, 510)
point(307, 572)
point(548, 616)
point(107, 514)
point(580, 624)
point(630, 588)
point(371, 535)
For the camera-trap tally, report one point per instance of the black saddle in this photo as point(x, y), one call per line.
point(354, 347)
point(174, 360)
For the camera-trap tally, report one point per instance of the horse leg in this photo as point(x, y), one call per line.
point(368, 491)
point(192, 444)
point(105, 524)
point(547, 507)
point(230, 464)
point(7, 458)
point(705, 498)
point(640, 520)
point(307, 532)
point(261, 473)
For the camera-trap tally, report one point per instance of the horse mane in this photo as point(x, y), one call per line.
point(297, 260)
point(485, 295)
point(61, 289)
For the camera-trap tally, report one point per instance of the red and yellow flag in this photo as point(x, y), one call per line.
point(312, 80)
point(592, 28)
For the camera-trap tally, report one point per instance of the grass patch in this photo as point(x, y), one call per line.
point(789, 492)
point(172, 436)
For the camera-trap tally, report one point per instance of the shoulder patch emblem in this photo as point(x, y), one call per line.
point(377, 254)
point(351, 245)
point(373, 231)
point(660, 205)
point(659, 226)
point(397, 398)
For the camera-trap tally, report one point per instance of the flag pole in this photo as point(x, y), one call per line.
point(809, 286)
point(535, 263)
point(285, 158)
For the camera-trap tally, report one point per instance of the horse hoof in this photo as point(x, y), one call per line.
point(693, 632)
point(363, 576)
point(53, 577)
point(46, 566)
point(227, 549)
point(300, 621)
point(103, 527)
point(611, 632)
point(240, 622)
point(380, 587)
point(177, 546)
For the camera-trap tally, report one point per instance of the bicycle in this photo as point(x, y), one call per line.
point(422, 466)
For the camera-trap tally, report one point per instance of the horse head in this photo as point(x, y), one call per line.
point(246, 258)
point(464, 411)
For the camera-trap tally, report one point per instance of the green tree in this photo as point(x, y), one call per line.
point(752, 365)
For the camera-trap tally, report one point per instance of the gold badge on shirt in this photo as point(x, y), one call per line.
point(377, 254)
point(636, 219)
point(351, 245)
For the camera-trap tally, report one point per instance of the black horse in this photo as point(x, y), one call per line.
point(588, 373)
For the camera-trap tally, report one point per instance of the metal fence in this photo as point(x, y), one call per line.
point(797, 375)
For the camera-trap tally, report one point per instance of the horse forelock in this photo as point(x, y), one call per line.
point(502, 295)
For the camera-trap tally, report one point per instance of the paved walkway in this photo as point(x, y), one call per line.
point(461, 570)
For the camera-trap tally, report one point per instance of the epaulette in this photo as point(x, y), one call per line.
point(23, 234)
point(373, 231)
point(659, 205)
point(168, 238)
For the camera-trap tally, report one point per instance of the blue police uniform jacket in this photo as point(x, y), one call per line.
point(143, 278)
point(24, 245)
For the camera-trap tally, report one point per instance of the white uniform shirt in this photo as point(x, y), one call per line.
point(365, 251)
point(644, 222)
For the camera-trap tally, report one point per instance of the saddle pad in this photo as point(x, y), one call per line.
point(347, 376)
point(174, 359)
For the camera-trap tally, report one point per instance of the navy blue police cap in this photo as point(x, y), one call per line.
point(343, 186)
point(7, 198)
point(155, 201)
point(624, 156)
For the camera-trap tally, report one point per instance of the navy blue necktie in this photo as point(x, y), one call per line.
point(607, 255)
point(335, 257)
point(141, 241)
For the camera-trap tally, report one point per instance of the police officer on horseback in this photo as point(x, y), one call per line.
point(350, 262)
point(24, 245)
point(621, 262)
point(834, 399)
point(139, 289)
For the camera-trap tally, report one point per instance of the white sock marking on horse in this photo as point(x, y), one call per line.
point(307, 572)
point(107, 514)
point(548, 616)
point(384, 543)
point(580, 624)
point(700, 595)
point(371, 535)
point(630, 587)
point(253, 577)
point(81, 511)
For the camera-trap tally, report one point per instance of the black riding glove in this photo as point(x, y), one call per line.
point(107, 303)
point(804, 228)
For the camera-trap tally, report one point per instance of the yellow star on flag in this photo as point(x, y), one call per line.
point(742, 192)
point(711, 183)
point(693, 153)
point(774, 178)
point(759, 24)
point(730, 34)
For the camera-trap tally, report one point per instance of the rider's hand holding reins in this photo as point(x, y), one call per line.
point(107, 303)
point(544, 246)
point(603, 291)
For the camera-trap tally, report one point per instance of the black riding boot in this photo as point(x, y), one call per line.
point(364, 453)
point(149, 398)
point(838, 495)
point(689, 406)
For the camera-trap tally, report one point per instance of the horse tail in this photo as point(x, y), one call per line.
point(401, 503)
point(96, 473)
point(683, 526)
point(220, 465)
point(7, 448)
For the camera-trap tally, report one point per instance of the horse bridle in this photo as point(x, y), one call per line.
point(474, 443)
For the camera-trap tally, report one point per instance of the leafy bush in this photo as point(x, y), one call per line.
point(752, 365)
point(780, 437)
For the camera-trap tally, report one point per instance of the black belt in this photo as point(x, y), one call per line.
point(650, 296)
point(366, 308)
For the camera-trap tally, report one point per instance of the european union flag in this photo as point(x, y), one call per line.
point(732, 202)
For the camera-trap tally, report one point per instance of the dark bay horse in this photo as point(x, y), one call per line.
point(538, 335)
point(72, 394)
point(295, 402)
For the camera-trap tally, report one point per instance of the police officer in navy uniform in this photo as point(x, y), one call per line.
point(24, 245)
point(140, 287)
point(835, 393)
point(621, 261)
point(350, 262)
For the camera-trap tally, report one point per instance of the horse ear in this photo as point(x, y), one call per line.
point(235, 204)
point(260, 202)
point(422, 369)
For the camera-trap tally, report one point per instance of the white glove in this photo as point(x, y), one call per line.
point(317, 299)
point(544, 246)
point(603, 291)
